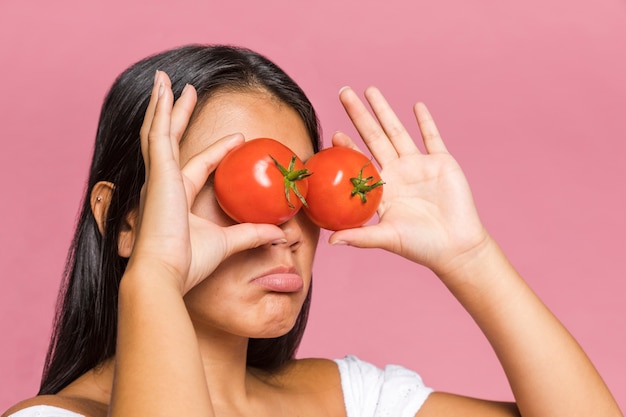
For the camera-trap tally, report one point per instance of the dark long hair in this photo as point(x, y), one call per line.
point(84, 332)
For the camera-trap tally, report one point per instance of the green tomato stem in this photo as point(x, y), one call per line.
point(361, 186)
point(290, 177)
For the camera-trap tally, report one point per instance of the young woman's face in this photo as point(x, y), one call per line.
point(231, 299)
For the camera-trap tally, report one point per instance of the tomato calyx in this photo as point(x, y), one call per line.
point(290, 178)
point(361, 186)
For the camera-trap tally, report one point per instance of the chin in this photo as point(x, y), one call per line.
point(274, 332)
point(274, 323)
point(273, 328)
point(272, 316)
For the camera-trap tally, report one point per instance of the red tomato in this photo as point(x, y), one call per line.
point(261, 181)
point(345, 188)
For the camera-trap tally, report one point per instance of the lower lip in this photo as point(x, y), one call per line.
point(280, 282)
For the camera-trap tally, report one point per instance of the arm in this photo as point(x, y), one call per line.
point(548, 371)
point(158, 368)
point(428, 216)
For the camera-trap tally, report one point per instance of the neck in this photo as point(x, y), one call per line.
point(224, 360)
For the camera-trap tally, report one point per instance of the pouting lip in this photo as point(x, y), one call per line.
point(282, 269)
point(281, 279)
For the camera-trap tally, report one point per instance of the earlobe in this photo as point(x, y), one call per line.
point(100, 199)
point(126, 239)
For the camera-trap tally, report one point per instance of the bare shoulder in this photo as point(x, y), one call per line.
point(326, 366)
point(309, 384)
point(315, 372)
point(82, 406)
point(443, 404)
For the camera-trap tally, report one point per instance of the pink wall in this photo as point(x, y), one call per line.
point(530, 96)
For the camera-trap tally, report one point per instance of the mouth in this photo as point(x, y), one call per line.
point(281, 279)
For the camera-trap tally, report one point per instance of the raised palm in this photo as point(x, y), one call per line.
point(427, 214)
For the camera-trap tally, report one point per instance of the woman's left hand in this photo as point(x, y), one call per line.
point(427, 214)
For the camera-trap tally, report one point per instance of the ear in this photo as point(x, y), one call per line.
point(126, 239)
point(100, 199)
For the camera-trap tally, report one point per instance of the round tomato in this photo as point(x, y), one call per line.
point(261, 181)
point(345, 188)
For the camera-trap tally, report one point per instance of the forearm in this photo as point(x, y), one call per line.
point(548, 371)
point(158, 369)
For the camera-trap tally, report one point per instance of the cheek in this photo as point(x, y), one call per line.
point(207, 207)
point(310, 230)
point(306, 253)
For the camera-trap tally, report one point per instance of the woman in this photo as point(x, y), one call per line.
point(170, 308)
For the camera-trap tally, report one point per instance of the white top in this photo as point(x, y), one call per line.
point(368, 391)
point(45, 411)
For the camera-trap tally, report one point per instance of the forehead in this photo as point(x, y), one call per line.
point(253, 113)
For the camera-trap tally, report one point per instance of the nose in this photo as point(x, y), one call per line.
point(294, 232)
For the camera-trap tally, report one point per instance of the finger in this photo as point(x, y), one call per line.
point(181, 114)
point(430, 134)
point(391, 124)
point(147, 120)
point(361, 237)
point(158, 138)
point(369, 129)
point(244, 236)
point(341, 139)
point(197, 170)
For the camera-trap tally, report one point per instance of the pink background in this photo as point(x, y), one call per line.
point(530, 97)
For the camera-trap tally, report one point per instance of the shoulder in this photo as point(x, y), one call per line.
point(326, 367)
point(307, 384)
point(310, 373)
point(56, 406)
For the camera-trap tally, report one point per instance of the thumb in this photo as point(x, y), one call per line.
point(361, 237)
point(244, 236)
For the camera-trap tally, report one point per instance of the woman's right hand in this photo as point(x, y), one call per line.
point(169, 237)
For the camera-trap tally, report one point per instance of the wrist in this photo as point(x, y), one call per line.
point(484, 281)
point(147, 278)
point(483, 261)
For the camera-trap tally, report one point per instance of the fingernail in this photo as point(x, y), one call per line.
point(156, 76)
point(338, 243)
point(161, 88)
point(345, 87)
point(235, 137)
point(279, 241)
point(185, 88)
